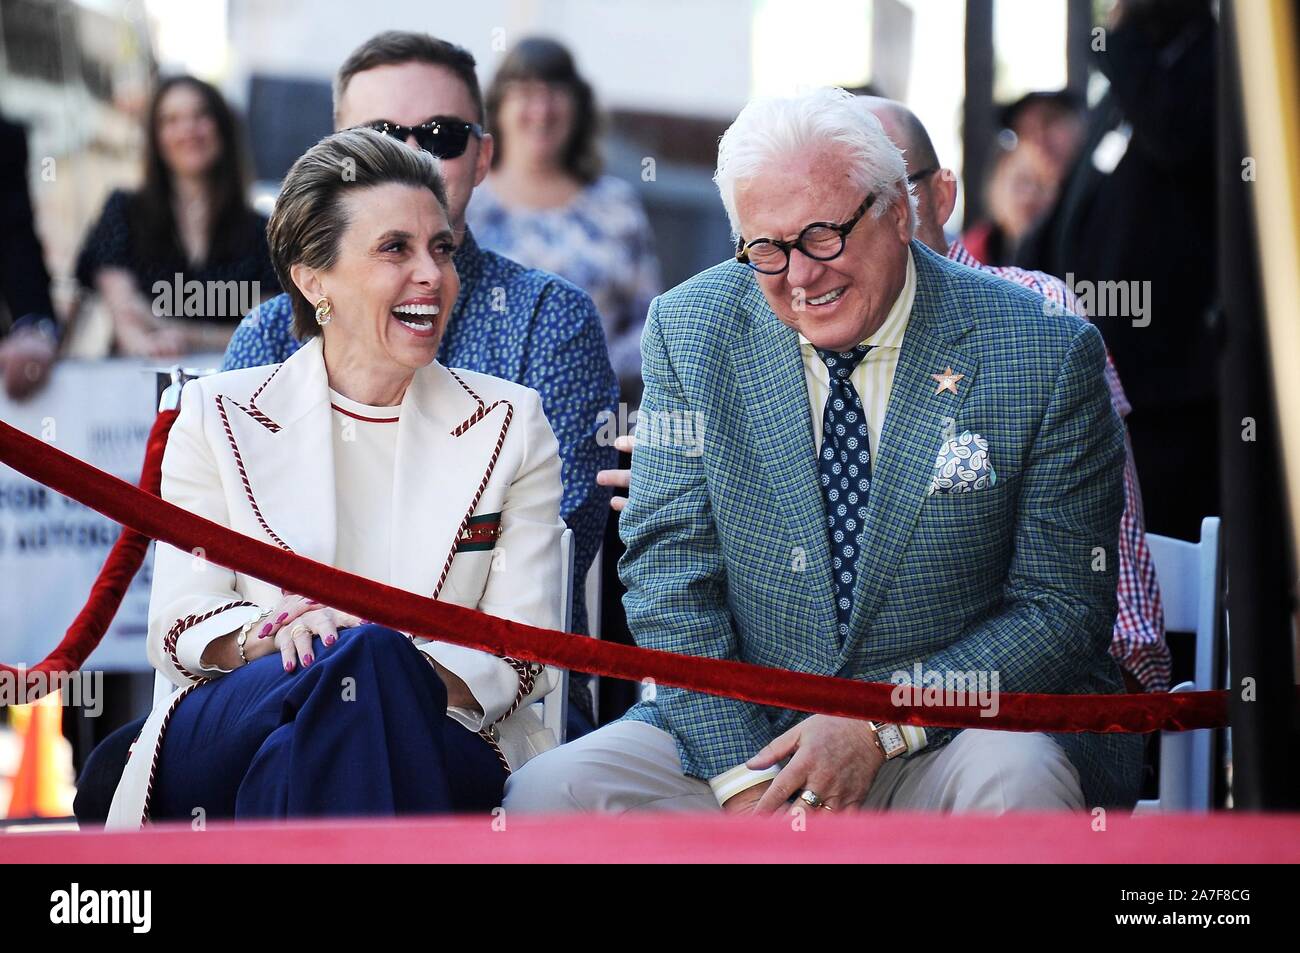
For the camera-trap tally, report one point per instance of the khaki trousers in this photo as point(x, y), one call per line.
point(632, 766)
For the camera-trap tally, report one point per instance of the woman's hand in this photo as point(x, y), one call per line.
point(295, 621)
point(137, 330)
point(156, 343)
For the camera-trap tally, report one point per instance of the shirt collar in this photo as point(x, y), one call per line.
point(890, 333)
point(959, 253)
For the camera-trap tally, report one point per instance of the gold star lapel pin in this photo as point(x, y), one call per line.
point(947, 381)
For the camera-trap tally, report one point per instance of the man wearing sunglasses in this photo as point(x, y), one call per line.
point(910, 472)
point(520, 324)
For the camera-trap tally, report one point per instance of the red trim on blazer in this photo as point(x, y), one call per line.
point(169, 642)
point(157, 749)
point(243, 472)
point(459, 430)
point(188, 622)
point(369, 420)
point(252, 409)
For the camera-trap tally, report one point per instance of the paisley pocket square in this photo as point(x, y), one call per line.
point(963, 465)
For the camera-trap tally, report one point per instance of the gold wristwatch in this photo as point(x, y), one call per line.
point(889, 739)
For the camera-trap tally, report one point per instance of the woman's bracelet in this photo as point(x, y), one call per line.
point(247, 629)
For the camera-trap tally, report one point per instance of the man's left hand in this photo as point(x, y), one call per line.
point(835, 758)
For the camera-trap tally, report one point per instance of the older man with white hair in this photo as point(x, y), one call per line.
point(906, 466)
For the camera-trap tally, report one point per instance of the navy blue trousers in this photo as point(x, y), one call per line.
point(363, 730)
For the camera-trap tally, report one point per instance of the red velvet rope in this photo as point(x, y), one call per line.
point(123, 562)
point(148, 515)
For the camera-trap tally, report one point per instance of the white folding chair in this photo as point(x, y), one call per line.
point(555, 706)
point(593, 591)
point(169, 399)
point(1192, 593)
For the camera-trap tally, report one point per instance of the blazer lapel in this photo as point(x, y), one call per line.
point(284, 451)
point(448, 442)
point(915, 425)
point(771, 376)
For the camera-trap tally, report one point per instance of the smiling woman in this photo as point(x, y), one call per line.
point(362, 238)
point(363, 452)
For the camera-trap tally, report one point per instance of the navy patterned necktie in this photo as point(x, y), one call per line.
point(844, 470)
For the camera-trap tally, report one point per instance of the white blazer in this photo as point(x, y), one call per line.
point(252, 449)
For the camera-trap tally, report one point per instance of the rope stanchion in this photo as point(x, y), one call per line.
point(123, 562)
point(417, 615)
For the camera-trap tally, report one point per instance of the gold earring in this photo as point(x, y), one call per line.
point(324, 311)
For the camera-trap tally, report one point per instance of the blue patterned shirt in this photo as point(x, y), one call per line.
point(523, 325)
point(601, 241)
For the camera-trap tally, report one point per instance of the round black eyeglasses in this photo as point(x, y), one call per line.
point(820, 240)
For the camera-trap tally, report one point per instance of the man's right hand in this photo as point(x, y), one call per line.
point(618, 478)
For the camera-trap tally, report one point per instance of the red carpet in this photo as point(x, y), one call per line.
point(893, 838)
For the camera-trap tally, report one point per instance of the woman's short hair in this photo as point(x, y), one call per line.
point(544, 59)
point(309, 217)
point(772, 128)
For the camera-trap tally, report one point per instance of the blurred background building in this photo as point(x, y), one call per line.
point(669, 80)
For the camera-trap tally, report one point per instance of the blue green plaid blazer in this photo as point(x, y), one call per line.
point(727, 551)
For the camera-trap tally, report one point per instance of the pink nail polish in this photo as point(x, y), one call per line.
point(281, 617)
point(265, 630)
point(330, 640)
point(288, 666)
point(306, 660)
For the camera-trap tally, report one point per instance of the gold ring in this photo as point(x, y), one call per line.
point(299, 628)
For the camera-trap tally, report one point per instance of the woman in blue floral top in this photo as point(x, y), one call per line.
point(547, 205)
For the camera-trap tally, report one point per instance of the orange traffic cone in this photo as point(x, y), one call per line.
point(36, 791)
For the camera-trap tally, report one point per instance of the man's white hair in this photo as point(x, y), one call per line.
point(773, 128)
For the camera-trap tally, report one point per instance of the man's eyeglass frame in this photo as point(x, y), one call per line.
point(743, 247)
